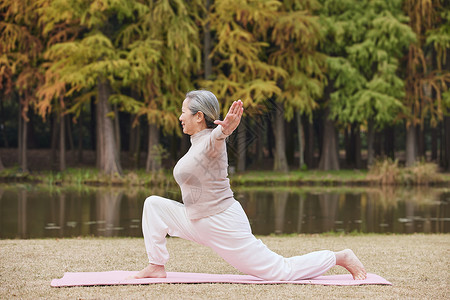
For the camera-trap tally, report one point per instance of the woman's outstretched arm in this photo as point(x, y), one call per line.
point(232, 119)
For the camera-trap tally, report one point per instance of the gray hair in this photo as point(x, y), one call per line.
point(206, 102)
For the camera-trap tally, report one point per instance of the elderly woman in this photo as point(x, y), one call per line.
point(211, 216)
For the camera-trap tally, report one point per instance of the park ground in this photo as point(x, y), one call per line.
point(417, 265)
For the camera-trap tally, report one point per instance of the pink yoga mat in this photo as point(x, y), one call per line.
point(119, 278)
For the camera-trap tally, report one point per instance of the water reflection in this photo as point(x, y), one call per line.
point(33, 212)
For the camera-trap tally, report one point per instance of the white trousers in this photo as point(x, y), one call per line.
point(229, 235)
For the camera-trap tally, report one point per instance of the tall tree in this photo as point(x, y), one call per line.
point(93, 62)
point(365, 41)
point(239, 70)
point(295, 36)
point(164, 50)
point(426, 81)
point(21, 45)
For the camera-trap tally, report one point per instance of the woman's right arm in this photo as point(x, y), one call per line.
point(226, 127)
point(232, 119)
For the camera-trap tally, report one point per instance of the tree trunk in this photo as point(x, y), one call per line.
point(117, 129)
point(348, 147)
point(421, 149)
point(23, 134)
point(93, 124)
point(132, 137)
point(270, 136)
point(329, 159)
point(241, 147)
point(2, 167)
point(109, 158)
point(411, 146)
point(19, 136)
point(69, 134)
point(370, 143)
point(62, 143)
point(2, 124)
point(207, 45)
point(434, 144)
point(98, 134)
point(280, 160)
point(153, 156)
point(259, 141)
point(135, 144)
point(353, 146)
point(389, 142)
point(377, 144)
point(301, 141)
point(54, 140)
point(24, 162)
point(356, 145)
point(290, 142)
point(309, 149)
point(80, 137)
point(446, 144)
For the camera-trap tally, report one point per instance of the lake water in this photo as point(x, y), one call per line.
point(28, 211)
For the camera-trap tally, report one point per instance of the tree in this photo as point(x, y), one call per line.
point(426, 81)
point(22, 45)
point(93, 61)
point(364, 82)
point(262, 53)
point(239, 70)
point(295, 36)
point(165, 50)
point(2, 167)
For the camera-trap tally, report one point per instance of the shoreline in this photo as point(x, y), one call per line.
point(163, 178)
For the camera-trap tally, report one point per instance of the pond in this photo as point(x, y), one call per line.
point(29, 211)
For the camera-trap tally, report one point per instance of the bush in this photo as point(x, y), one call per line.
point(388, 172)
point(421, 173)
point(385, 172)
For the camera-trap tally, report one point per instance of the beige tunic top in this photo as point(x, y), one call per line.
point(202, 174)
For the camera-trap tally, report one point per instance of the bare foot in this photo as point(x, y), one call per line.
point(347, 259)
point(151, 271)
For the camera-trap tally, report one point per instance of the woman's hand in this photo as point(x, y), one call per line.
point(232, 119)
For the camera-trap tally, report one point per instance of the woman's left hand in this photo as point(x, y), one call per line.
point(232, 119)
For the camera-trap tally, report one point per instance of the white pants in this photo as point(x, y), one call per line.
point(229, 235)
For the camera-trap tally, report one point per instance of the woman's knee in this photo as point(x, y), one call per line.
point(152, 201)
point(159, 203)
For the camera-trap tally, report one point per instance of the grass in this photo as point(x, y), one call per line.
point(417, 265)
point(297, 177)
point(89, 176)
point(382, 173)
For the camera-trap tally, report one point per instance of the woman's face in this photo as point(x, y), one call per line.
point(191, 123)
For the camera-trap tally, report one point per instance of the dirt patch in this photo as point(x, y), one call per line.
point(417, 265)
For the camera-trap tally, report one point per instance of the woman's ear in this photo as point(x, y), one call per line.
point(200, 116)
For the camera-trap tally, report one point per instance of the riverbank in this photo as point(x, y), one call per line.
point(82, 171)
point(164, 178)
point(417, 266)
